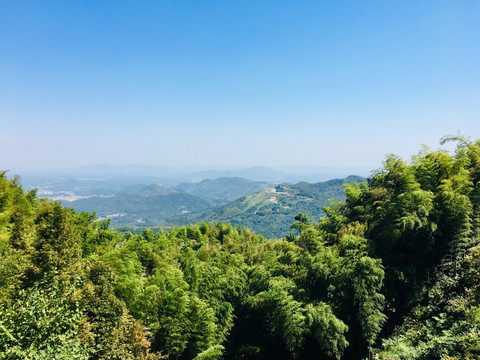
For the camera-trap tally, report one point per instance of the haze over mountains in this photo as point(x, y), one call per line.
point(264, 207)
point(107, 180)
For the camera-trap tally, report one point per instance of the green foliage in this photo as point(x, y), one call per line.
point(328, 330)
point(56, 246)
point(53, 302)
point(442, 321)
point(211, 353)
point(284, 314)
point(42, 324)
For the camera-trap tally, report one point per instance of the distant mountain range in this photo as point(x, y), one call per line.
point(265, 208)
point(71, 184)
point(257, 173)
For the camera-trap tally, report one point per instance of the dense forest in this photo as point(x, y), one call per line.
point(392, 272)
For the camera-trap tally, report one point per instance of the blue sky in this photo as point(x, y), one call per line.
point(234, 83)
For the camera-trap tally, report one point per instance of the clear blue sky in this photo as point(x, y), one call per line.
point(274, 83)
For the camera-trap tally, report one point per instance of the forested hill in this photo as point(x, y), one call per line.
point(223, 189)
point(272, 211)
point(391, 272)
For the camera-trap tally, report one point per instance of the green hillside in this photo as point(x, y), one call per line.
point(272, 211)
point(224, 189)
point(149, 206)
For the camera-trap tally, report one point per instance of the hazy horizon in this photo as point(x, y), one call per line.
point(234, 84)
point(173, 171)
